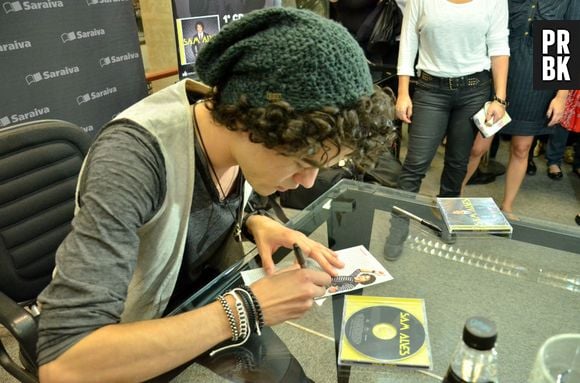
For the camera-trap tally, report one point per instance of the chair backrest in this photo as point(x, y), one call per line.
point(39, 166)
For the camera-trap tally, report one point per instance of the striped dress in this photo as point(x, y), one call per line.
point(528, 106)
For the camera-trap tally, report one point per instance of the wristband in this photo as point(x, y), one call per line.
point(245, 232)
point(503, 102)
point(259, 313)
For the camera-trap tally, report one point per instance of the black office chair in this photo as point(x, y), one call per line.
point(39, 165)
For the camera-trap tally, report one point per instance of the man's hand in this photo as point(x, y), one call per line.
point(270, 235)
point(290, 293)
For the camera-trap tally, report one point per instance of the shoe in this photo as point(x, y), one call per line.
point(493, 167)
point(555, 175)
point(480, 178)
point(577, 219)
point(532, 169)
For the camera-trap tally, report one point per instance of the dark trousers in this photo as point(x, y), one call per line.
point(439, 111)
point(556, 146)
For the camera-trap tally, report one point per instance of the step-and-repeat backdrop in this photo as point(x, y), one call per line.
point(75, 60)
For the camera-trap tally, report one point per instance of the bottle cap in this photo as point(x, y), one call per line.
point(480, 333)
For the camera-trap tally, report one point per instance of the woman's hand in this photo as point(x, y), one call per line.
point(556, 108)
point(289, 294)
point(270, 235)
point(495, 112)
point(404, 108)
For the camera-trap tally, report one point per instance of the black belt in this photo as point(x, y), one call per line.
point(470, 80)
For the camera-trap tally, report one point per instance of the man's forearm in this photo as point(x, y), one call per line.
point(139, 351)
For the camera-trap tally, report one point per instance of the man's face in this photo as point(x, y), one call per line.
point(199, 28)
point(268, 171)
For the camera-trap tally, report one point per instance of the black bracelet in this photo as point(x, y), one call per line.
point(505, 103)
point(245, 232)
point(257, 306)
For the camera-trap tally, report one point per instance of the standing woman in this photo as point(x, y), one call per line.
point(533, 112)
point(458, 42)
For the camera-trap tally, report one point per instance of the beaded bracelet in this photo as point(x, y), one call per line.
point(252, 313)
point(231, 318)
point(245, 330)
point(259, 313)
point(242, 315)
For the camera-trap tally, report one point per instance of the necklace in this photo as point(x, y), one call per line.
point(237, 217)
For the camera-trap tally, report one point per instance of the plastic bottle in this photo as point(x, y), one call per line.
point(475, 359)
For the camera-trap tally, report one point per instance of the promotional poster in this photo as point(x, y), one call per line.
point(197, 21)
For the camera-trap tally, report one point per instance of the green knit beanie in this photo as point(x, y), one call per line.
point(286, 54)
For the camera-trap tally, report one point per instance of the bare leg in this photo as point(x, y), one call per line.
point(480, 147)
point(516, 169)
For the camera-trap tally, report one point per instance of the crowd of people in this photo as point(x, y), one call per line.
point(283, 93)
point(456, 59)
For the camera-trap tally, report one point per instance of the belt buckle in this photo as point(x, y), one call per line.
point(450, 82)
point(426, 76)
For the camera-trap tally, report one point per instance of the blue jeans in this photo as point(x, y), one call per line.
point(438, 112)
point(556, 146)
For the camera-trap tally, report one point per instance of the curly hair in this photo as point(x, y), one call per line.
point(364, 127)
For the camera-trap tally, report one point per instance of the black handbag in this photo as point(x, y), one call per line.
point(386, 28)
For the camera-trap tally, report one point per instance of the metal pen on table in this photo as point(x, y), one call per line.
point(414, 217)
point(299, 256)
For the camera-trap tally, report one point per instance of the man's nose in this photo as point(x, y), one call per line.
point(306, 177)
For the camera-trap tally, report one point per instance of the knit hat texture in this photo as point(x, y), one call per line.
point(286, 54)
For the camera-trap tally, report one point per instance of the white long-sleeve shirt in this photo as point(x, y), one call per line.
point(452, 39)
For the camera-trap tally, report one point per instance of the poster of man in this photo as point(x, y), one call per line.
point(194, 33)
point(209, 16)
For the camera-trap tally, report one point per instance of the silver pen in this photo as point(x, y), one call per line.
point(414, 217)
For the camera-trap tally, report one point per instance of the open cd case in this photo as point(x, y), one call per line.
point(384, 331)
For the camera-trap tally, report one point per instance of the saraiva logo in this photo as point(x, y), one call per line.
point(4, 121)
point(16, 118)
point(47, 75)
point(70, 36)
point(83, 98)
point(17, 6)
point(15, 45)
point(104, 61)
point(95, 2)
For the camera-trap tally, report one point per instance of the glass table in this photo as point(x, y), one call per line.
point(528, 284)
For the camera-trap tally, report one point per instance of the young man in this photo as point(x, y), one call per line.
point(162, 189)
